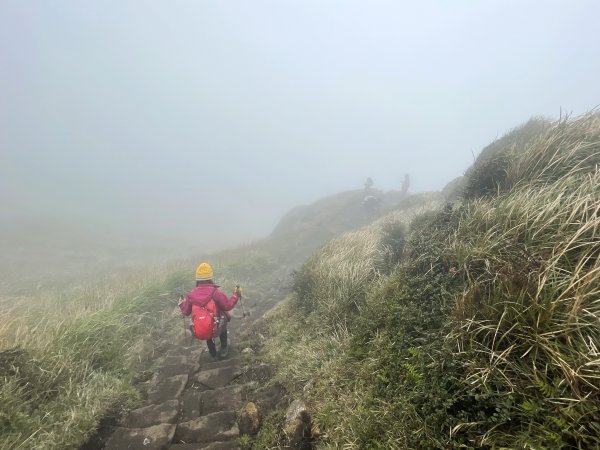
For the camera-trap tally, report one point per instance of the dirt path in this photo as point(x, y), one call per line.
point(192, 401)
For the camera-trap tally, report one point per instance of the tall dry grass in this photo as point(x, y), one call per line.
point(311, 334)
point(486, 334)
point(531, 309)
point(69, 358)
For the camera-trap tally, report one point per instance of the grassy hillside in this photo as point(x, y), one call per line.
point(68, 360)
point(73, 354)
point(475, 325)
point(305, 228)
point(469, 324)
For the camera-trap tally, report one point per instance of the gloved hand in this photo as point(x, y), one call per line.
point(238, 291)
point(181, 299)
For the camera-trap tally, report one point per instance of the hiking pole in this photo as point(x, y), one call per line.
point(182, 318)
point(239, 293)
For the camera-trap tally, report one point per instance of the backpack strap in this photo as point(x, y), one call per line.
point(209, 298)
point(212, 296)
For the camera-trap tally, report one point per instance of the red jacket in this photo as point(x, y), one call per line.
point(202, 294)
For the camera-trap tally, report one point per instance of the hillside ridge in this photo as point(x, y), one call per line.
point(472, 323)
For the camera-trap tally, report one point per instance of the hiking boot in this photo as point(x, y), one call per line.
point(224, 351)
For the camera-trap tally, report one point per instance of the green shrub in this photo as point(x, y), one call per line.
point(481, 330)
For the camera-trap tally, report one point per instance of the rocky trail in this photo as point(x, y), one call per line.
point(193, 402)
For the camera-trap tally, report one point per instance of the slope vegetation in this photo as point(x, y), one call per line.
point(302, 230)
point(475, 325)
point(72, 357)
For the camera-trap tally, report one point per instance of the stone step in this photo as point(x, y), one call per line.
point(170, 370)
point(227, 398)
point(168, 389)
point(228, 445)
point(179, 360)
point(217, 378)
point(147, 416)
point(219, 364)
point(194, 351)
point(219, 426)
point(157, 437)
point(191, 405)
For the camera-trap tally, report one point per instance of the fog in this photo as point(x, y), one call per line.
point(202, 122)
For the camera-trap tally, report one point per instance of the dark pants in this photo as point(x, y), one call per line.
point(212, 347)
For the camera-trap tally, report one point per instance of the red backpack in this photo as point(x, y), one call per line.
point(205, 320)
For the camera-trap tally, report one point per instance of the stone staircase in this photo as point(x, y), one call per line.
point(191, 404)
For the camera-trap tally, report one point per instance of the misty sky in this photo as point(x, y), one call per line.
point(205, 118)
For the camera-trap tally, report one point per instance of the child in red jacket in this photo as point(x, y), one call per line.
point(205, 291)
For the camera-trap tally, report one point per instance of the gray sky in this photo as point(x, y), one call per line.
point(213, 118)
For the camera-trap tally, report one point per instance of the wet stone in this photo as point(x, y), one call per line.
point(230, 445)
point(219, 426)
point(192, 446)
point(166, 412)
point(196, 386)
point(191, 405)
point(168, 389)
point(177, 360)
point(220, 364)
point(193, 352)
point(216, 378)
point(222, 399)
point(171, 370)
point(157, 437)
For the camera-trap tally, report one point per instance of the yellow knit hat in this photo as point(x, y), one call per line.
point(204, 272)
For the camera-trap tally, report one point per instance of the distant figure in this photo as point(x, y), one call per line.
point(405, 185)
point(208, 307)
point(368, 185)
point(371, 204)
